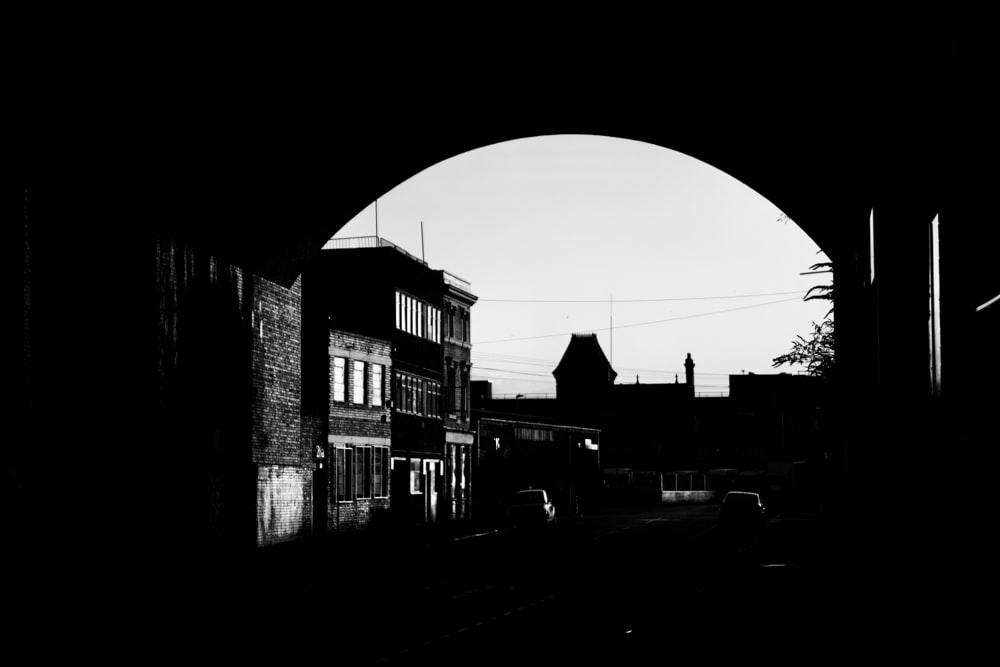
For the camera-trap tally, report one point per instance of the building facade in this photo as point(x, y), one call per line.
point(411, 352)
point(353, 474)
point(458, 300)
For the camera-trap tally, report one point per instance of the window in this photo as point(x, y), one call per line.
point(380, 483)
point(416, 395)
point(418, 318)
point(358, 382)
point(416, 477)
point(338, 379)
point(433, 398)
point(344, 474)
point(463, 398)
point(363, 467)
point(377, 373)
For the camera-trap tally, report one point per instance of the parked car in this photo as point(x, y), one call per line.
point(743, 511)
point(531, 508)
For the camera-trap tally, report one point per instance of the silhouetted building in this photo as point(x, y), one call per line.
point(584, 378)
point(644, 427)
point(515, 455)
point(779, 421)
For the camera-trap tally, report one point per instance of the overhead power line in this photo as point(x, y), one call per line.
point(679, 298)
point(504, 370)
point(490, 357)
point(637, 324)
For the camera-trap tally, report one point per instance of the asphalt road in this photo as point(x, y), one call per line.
point(633, 585)
point(661, 584)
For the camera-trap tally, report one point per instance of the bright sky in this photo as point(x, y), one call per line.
point(551, 230)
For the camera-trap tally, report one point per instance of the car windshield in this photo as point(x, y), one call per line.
point(529, 497)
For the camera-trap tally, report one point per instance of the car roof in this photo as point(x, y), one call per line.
point(741, 495)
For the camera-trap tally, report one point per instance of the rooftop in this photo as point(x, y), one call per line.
point(355, 242)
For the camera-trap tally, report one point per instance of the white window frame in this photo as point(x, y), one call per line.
point(340, 379)
point(357, 371)
point(378, 375)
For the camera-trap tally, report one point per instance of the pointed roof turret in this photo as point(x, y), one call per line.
point(584, 356)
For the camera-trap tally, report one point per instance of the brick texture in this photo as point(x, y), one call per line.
point(349, 420)
point(284, 503)
point(276, 324)
point(229, 368)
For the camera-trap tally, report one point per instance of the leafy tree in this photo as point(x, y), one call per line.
point(815, 352)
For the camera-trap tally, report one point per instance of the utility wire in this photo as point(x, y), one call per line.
point(685, 298)
point(489, 357)
point(638, 324)
point(503, 370)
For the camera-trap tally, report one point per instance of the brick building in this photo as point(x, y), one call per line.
point(229, 400)
point(458, 434)
point(351, 486)
point(376, 296)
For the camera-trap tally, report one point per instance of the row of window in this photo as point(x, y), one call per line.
point(361, 471)
point(359, 389)
point(416, 395)
point(418, 318)
point(411, 393)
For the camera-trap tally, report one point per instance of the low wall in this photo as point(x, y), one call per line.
point(688, 496)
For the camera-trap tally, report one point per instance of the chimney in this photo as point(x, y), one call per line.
point(689, 372)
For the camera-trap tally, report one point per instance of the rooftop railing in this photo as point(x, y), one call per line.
point(355, 242)
point(460, 283)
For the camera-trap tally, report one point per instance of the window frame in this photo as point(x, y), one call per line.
point(358, 370)
point(380, 471)
point(378, 390)
point(364, 472)
point(344, 474)
point(339, 379)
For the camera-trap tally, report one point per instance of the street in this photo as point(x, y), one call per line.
point(656, 581)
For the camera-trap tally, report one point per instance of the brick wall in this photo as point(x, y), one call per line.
point(276, 326)
point(347, 418)
point(229, 360)
point(357, 515)
point(284, 503)
point(351, 424)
